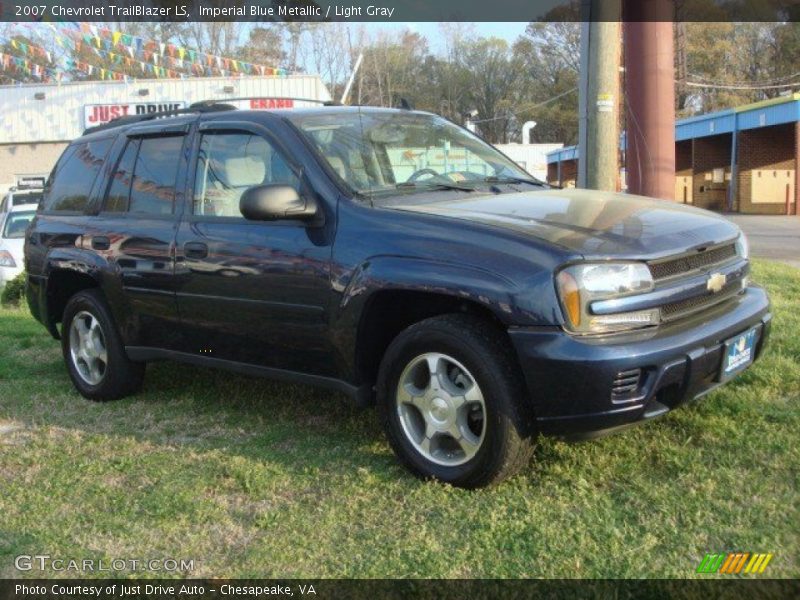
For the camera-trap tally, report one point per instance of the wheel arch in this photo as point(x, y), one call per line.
point(388, 294)
point(389, 312)
point(63, 284)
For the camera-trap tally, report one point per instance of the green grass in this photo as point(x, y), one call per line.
point(253, 478)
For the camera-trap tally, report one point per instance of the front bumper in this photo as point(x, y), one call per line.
point(570, 379)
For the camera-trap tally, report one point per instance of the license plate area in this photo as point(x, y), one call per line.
point(738, 353)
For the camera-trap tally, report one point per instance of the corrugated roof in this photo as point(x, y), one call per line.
point(767, 113)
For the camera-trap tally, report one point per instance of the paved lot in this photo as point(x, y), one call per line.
point(775, 238)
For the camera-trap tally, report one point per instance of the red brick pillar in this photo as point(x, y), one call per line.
point(797, 168)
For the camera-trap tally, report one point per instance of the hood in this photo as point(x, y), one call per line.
point(594, 224)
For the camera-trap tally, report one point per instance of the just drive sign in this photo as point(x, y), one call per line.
point(98, 114)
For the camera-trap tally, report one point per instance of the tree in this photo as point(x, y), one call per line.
point(264, 47)
point(549, 54)
point(327, 50)
point(494, 73)
point(730, 64)
point(392, 68)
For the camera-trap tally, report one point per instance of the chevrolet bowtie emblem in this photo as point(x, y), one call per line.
point(716, 282)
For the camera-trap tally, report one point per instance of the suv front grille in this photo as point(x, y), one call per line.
point(676, 310)
point(683, 265)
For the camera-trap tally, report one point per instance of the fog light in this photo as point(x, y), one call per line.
point(745, 282)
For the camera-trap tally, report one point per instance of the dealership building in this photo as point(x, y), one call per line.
point(38, 121)
point(744, 159)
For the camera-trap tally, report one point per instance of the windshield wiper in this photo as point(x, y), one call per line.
point(433, 186)
point(511, 179)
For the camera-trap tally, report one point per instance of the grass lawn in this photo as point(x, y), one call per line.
point(253, 478)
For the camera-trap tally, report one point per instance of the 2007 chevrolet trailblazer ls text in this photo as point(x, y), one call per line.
point(388, 254)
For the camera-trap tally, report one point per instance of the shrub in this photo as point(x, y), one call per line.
point(14, 292)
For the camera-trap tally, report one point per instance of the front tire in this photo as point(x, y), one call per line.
point(93, 350)
point(451, 401)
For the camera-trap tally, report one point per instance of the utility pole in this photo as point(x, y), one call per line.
point(598, 165)
point(650, 85)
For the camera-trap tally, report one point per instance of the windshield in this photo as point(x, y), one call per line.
point(377, 152)
point(17, 223)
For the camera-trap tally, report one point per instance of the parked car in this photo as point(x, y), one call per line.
point(13, 224)
point(20, 195)
point(393, 256)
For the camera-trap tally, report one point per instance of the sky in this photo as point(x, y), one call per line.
point(507, 31)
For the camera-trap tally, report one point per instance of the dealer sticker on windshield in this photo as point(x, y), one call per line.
point(739, 353)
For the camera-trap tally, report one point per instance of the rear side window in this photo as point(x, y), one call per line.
point(154, 175)
point(74, 176)
point(119, 191)
point(144, 178)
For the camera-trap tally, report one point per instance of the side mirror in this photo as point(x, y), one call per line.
point(278, 202)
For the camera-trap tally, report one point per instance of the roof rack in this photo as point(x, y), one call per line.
point(204, 106)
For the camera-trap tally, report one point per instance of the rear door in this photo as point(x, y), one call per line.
point(251, 292)
point(136, 226)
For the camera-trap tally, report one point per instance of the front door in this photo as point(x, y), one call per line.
point(251, 292)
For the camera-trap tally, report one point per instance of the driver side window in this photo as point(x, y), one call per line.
point(231, 162)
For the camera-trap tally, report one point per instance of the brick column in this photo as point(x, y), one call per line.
point(797, 168)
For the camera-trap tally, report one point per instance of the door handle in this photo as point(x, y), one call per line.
point(195, 250)
point(101, 242)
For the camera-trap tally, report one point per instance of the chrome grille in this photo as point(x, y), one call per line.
point(675, 310)
point(682, 265)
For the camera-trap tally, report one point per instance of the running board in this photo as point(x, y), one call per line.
point(362, 395)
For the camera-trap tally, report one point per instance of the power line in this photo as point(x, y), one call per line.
point(527, 108)
point(553, 99)
point(774, 80)
point(738, 87)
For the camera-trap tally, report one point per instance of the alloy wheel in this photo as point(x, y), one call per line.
point(441, 409)
point(87, 347)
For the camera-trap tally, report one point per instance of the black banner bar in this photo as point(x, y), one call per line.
point(376, 10)
point(382, 589)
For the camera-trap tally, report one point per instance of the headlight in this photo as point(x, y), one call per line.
point(742, 246)
point(581, 285)
point(6, 260)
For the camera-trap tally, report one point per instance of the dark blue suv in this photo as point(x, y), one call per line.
point(393, 256)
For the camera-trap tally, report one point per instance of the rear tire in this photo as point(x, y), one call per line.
point(469, 425)
point(93, 350)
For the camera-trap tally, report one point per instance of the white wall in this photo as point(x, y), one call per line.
point(34, 132)
point(59, 116)
point(531, 157)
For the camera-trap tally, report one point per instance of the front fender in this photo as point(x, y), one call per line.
point(511, 303)
point(380, 273)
